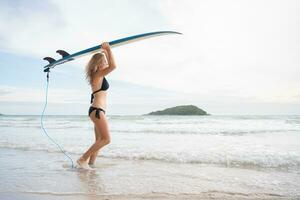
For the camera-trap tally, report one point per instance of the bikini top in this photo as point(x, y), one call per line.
point(104, 86)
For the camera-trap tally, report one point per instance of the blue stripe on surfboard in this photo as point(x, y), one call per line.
point(112, 44)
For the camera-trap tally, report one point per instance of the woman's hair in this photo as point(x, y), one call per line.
point(91, 67)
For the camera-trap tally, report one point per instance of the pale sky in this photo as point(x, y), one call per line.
point(234, 57)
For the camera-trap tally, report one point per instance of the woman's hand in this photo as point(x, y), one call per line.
point(105, 46)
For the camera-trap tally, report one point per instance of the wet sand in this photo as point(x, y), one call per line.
point(27, 174)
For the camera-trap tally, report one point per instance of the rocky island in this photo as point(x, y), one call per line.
point(180, 110)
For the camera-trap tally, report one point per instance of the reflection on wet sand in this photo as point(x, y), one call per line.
point(91, 181)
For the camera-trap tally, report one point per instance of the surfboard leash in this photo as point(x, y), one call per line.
point(42, 125)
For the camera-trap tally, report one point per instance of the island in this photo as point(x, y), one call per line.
point(180, 110)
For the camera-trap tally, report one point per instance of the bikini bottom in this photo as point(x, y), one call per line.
point(92, 108)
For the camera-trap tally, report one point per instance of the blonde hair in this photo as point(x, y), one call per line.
point(91, 67)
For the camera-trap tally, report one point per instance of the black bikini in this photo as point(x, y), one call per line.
point(104, 86)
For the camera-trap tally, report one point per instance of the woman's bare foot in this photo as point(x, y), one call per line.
point(92, 165)
point(83, 164)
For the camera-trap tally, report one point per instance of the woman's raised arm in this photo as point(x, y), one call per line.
point(110, 60)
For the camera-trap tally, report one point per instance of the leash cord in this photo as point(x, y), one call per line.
point(42, 125)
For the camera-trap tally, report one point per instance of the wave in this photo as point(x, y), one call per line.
point(37, 124)
point(208, 132)
point(286, 161)
point(145, 130)
point(214, 125)
point(292, 121)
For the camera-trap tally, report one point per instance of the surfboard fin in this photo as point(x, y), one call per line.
point(47, 69)
point(63, 53)
point(49, 59)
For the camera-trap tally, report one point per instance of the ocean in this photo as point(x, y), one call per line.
point(251, 156)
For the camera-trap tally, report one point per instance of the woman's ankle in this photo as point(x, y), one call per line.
point(91, 163)
point(82, 159)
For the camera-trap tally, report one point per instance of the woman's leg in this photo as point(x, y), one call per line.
point(102, 126)
point(93, 157)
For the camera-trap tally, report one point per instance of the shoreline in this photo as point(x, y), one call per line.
point(155, 196)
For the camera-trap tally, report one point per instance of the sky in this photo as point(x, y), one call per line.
point(234, 57)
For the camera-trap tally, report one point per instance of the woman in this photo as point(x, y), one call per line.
point(96, 70)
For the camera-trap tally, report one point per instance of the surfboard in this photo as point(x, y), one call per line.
point(66, 57)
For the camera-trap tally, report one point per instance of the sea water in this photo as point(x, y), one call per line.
point(256, 154)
